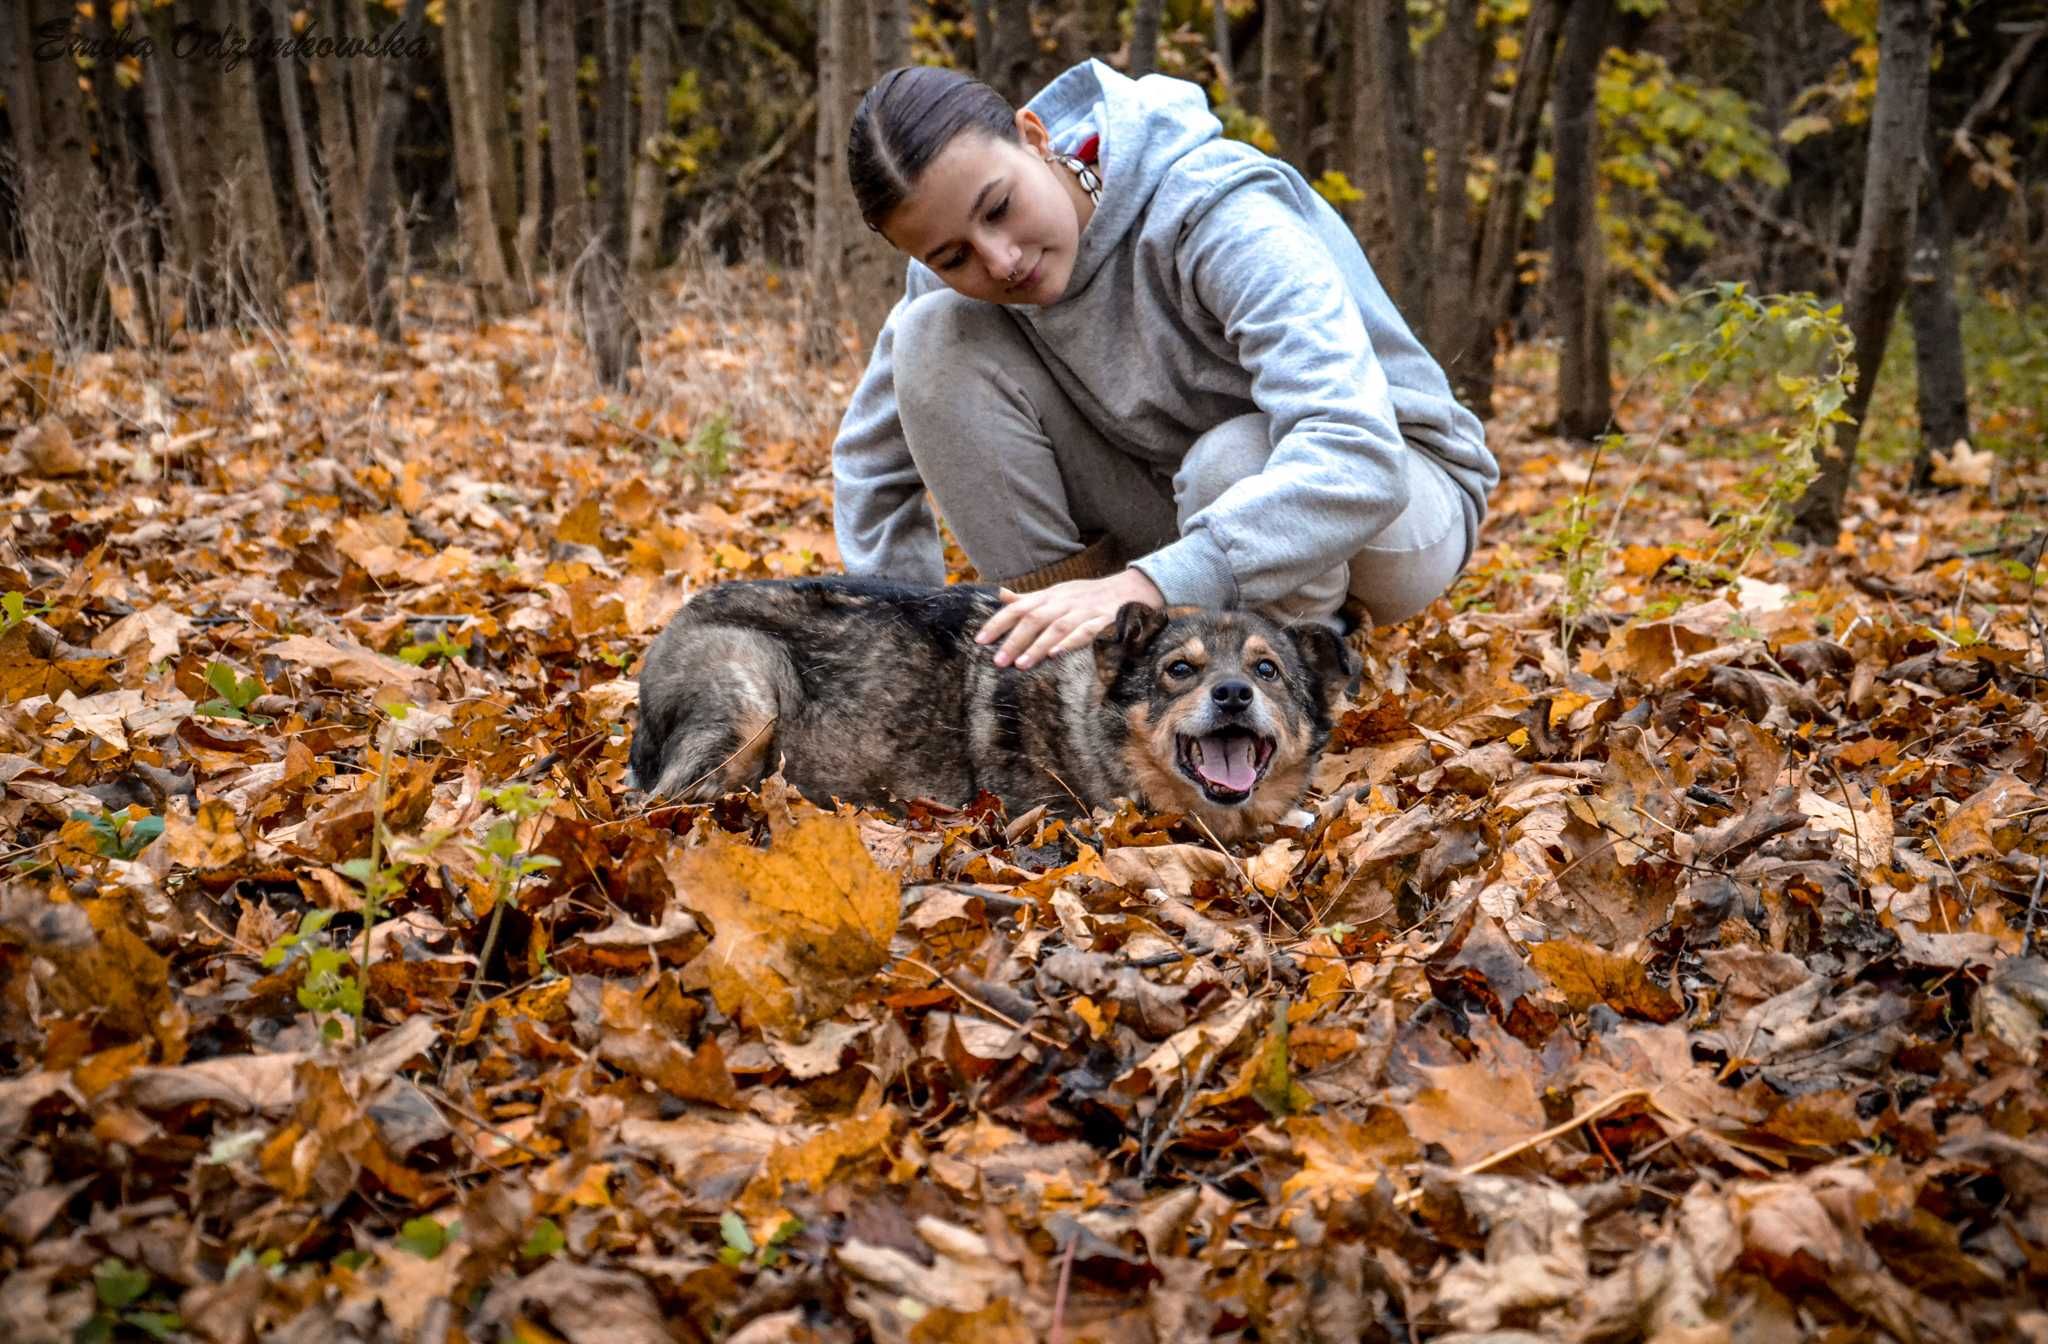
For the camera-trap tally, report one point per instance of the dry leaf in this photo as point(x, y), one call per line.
point(800, 926)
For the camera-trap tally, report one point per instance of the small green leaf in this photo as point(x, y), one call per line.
point(155, 1324)
point(424, 1237)
point(1274, 1087)
point(733, 1230)
point(545, 1239)
point(118, 1283)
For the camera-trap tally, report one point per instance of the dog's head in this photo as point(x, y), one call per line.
point(1226, 710)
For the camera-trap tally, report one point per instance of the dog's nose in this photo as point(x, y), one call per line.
point(1231, 695)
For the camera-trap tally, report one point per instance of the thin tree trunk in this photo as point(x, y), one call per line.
point(256, 263)
point(828, 177)
point(489, 80)
point(608, 329)
point(1145, 37)
point(483, 260)
point(1219, 42)
point(365, 89)
point(1884, 237)
point(1514, 154)
point(1944, 389)
point(60, 223)
point(1284, 73)
point(305, 182)
point(344, 172)
point(23, 117)
point(650, 196)
point(1455, 89)
point(1578, 268)
point(533, 172)
point(889, 36)
point(571, 225)
point(380, 189)
point(1014, 47)
point(983, 12)
point(1393, 111)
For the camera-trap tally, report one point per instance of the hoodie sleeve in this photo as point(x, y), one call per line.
point(880, 518)
point(1254, 264)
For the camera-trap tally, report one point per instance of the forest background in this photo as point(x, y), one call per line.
point(1661, 961)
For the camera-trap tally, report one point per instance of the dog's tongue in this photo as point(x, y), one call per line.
point(1229, 761)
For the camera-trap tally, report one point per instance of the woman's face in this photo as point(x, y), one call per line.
point(993, 219)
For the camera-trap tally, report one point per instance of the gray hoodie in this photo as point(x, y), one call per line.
point(1211, 281)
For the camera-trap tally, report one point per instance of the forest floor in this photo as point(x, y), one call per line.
point(1674, 983)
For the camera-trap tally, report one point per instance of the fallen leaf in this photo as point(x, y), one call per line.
point(800, 926)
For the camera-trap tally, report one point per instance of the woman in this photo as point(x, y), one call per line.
point(1136, 361)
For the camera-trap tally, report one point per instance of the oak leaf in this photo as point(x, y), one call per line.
point(1587, 974)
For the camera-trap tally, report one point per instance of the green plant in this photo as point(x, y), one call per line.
point(545, 1239)
point(330, 985)
point(440, 646)
point(15, 608)
point(118, 1289)
point(502, 862)
point(425, 1237)
point(233, 694)
point(740, 1249)
point(117, 836)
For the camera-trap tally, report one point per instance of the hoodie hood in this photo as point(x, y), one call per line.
point(1146, 127)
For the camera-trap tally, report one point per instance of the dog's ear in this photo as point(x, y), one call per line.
point(1328, 661)
point(1136, 626)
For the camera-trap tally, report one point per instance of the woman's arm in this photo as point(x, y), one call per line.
point(1255, 265)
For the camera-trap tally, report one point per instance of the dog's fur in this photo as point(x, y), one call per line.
point(870, 691)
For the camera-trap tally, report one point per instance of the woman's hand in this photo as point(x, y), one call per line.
point(1065, 616)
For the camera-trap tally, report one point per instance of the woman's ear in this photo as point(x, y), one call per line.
point(1036, 138)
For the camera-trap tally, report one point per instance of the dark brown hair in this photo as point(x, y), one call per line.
point(905, 121)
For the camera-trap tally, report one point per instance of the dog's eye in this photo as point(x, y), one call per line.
point(1180, 667)
point(1266, 668)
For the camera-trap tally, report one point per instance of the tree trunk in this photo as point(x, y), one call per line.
point(380, 187)
point(1455, 88)
point(1015, 45)
point(983, 13)
point(532, 158)
point(1884, 237)
point(608, 329)
point(255, 267)
point(134, 281)
point(489, 81)
point(483, 260)
point(829, 188)
point(571, 224)
point(650, 194)
point(1393, 111)
point(177, 154)
point(1219, 43)
point(366, 91)
point(1145, 37)
point(305, 183)
point(1937, 329)
point(1578, 263)
point(888, 36)
point(60, 211)
point(1514, 154)
point(1283, 75)
point(344, 172)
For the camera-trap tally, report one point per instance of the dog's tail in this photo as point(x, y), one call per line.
point(710, 699)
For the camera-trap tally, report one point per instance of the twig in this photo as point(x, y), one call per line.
point(1855, 826)
point(1245, 877)
point(1188, 1088)
point(1058, 1332)
point(486, 1126)
point(994, 1012)
point(1946, 927)
point(1520, 1146)
point(2033, 906)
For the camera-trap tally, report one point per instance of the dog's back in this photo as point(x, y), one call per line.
point(863, 689)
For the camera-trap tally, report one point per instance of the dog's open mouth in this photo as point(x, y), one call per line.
point(1228, 763)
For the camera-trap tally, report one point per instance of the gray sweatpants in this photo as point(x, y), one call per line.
point(1025, 481)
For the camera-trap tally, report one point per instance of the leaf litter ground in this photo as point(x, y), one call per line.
point(1673, 986)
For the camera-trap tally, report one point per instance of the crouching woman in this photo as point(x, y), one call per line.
point(1136, 361)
